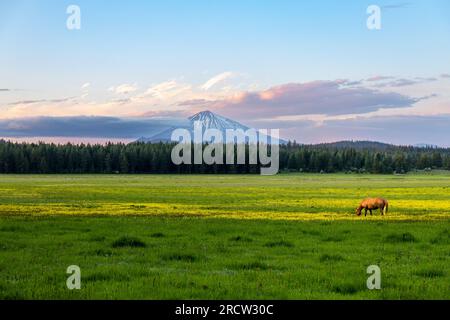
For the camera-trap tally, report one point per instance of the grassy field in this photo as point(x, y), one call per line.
point(223, 237)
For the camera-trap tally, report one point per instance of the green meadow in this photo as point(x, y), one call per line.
point(290, 236)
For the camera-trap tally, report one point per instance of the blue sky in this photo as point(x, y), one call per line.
point(168, 50)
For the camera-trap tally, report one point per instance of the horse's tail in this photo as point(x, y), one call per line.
point(386, 208)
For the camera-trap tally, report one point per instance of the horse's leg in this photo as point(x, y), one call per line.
point(365, 212)
point(370, 211)
point(382, 211)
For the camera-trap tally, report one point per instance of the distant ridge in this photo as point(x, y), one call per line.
point(372, 145)
point(359, 145)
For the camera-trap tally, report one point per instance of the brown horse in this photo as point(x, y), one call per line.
point(373, 204)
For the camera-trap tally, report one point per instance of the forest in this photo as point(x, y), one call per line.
point(156, 158)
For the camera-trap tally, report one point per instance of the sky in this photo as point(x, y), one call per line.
point(313, 69)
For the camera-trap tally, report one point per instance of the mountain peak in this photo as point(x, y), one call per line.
point(211, 120)
point(205, 112)
point(203, 115)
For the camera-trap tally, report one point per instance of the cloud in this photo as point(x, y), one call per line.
point(97, 127)
point(400, 130)
point(184, 114)
point(379, 78)
point(3, 90)
point(408, 130)
point(400, 82)
point(445, 75)
point(22, 102)
point(124, 88)
point(318, 97)
point(26, 102)
point(195, 103)
point(167, 90)
point(301, 100)
point(352, 83)
point(217, 79)
point(85, 86)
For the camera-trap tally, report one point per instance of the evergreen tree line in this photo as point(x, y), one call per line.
point(156, 158)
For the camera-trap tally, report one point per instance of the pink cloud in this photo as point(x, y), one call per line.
point(317, 97)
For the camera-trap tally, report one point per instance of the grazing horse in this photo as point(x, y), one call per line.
point(373, 204)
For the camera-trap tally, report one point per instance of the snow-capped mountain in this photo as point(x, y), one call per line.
point(208, 120)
